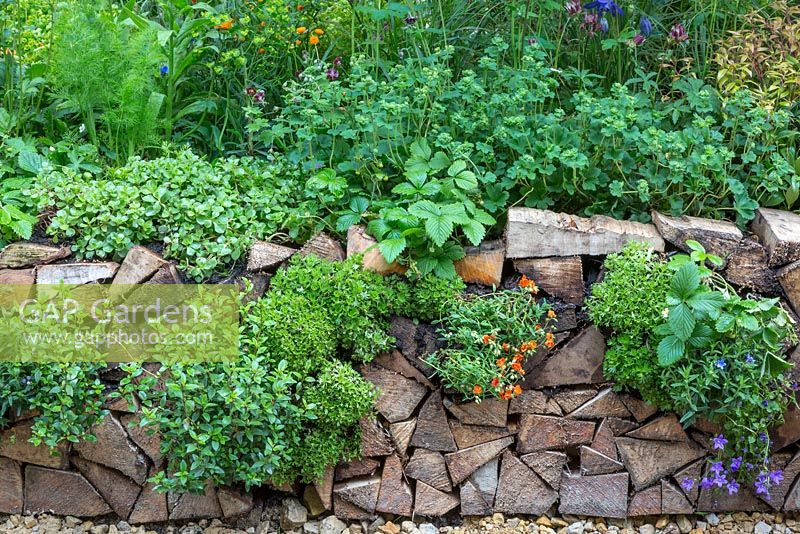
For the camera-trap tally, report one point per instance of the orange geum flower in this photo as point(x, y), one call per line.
point(477, 390)
point(314, 40)
point(319, 31)
point(301, 30)
point(551, 314)
point(506, 347)
point(505, 395)
point(495, 382)
point(517, 390)
point(227, 25)
point(518, 357)
point(549, 343)
point(501, 363)
point(486, 339)
point(537, 327)
point(297, 42)
point(517, 367)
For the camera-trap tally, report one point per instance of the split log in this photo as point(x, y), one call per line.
point(483, 265)
point(717, 237)
point(265, 255)
point(358, 242)
point(559, 277)
point(779, 232)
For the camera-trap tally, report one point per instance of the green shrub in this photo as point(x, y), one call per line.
point(488, 338)
point(631, 297)
point(207, 214)
point(427, 298)
point(67, 396)
point(289, 327)
point(340, 395)
point(320, 447)
point(356, 301)
point(232, 422)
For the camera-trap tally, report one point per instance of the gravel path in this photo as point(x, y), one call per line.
point(756, 523)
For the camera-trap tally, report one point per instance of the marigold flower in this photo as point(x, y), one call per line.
point(495, 382)
point(517, 390)
point(551, 314)
point(486, 339)
point(301, 30)
point(477, 390)
point(227, 25)
point(501, 362)
point(532, 345)
point(505, 395)
point(314, 40)
point(516, 366)
point(319, 31)
point(518, 357)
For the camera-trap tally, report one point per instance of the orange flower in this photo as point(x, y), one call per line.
point(518, 357)
point(319, 31)
point(314, 40)
point(549, 343)
point(486, 339)
point(301, 30)
point(532, 345)
point(300, 7)
point(527, 283)
point(227, 25)
point(537, 327)
point(506, 347)
point(263, 24)
point(501, 363)
point(551, 314)
point(477, 390)
point(517, 367)
point(262, 50)
point(495, 382)
point(297, 42)
point(517, 390)
point(505, 395)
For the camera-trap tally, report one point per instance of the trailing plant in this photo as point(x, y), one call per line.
point(340, 395)
point(65, 399)
point(206, 214)
point(489, 337)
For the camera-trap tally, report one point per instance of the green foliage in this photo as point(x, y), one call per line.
point(232, 422)
point(488, 339)
point(357, 302)
point(290, 327)
point(207, 214)
point(321, 446)
point(104, 72)
point(340, 395)
point(632, 365)
point(68, 399)
point(630, 298)
point(429, 297)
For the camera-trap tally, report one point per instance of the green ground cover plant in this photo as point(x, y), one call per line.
point(708, 354)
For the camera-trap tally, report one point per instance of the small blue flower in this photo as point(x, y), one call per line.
point(706, 483)
point(733, 487)
point(717, 468)
point(604, 25)
point(720, 480)
point(645, 26)
point(763, 436)
point(687, 484)
point(765, 403)
point(719, 443)
point(775, 477)
point(605, 6)
point(720, 364)
point(164, 70)
point(736, 463)
point(749, 359)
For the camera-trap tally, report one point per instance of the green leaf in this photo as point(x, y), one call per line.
point(420, 149)
point(425, 209)
point(439, 161)
point(670, 350)
point(474, 231)
point(725, 322)
point(392, 248)
point(457, 167)
point(707, 301)
point(439, 229)
point(682, 321)
point(686, 280)
point(466, 180)
point(30, 161)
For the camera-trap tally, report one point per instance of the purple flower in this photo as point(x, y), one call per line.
point(645, 26)
point(573, 7)
point(736, 463)
point(720, 480)
point(591, 23)
point(706, 483)
point(775, 477)
point(761, 484)
point(337, 61)
point(603, 24)
point(605, 6)
point(410, 19)
point(763, 436)
point(164, 70)
point(733, 487)
point(765, 403)
point(687, 484)
point(638, 39)
point(678, 33)
point(795, 386)
point(719, 443)
point(332, 73)
point(720, 364)
point(749, 359)
point(258, 98)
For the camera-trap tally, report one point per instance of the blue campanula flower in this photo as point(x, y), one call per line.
point(605, 6)
point(164, 70)
point(733, 487)
point(736, 463)
point(687, 484)
point(645, 26)
point(748, 359)
point(720, 364)
point(719, 443)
